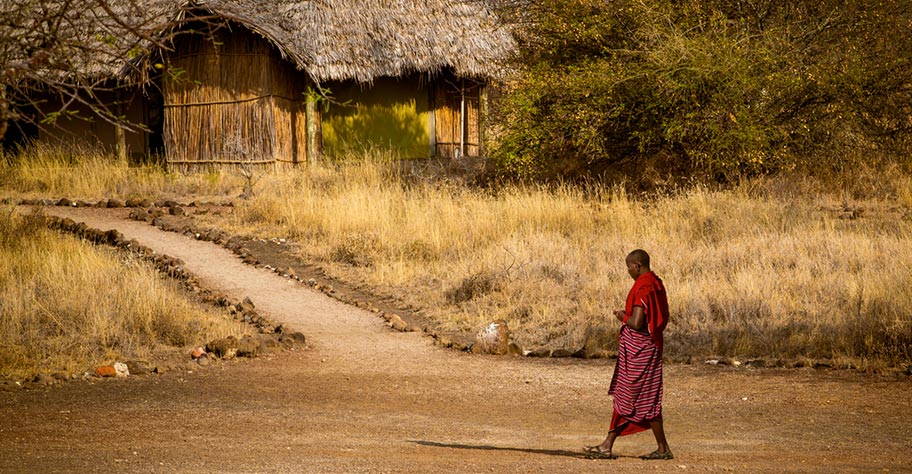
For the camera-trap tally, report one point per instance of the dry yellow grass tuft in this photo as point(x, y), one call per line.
point(67, 306)
point(775, 267)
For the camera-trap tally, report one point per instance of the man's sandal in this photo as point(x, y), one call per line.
point(596, 452)
point(657, 456)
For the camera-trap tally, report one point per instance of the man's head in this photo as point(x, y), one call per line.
point(637, 263)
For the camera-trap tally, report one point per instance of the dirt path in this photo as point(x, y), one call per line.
point(365, 399)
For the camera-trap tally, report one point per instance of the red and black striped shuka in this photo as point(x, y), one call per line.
point(637, 381)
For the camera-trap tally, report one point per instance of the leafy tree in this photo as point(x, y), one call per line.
point(716, 88)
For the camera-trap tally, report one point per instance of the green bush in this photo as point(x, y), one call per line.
point(719, 88)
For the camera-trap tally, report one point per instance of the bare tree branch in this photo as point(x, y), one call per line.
point(81, 52)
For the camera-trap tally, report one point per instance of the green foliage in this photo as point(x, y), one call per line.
point(718, 88)
point(52, 117)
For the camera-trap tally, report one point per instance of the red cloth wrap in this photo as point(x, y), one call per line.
point(637, 381)
point(649, 292)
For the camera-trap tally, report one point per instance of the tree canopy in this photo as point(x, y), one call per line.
point(717, 88)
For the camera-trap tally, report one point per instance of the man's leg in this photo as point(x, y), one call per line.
point(659, 431)
point(606, 446)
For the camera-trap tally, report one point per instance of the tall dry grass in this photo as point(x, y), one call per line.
point(67, 306)
point(78, 171)
point(790, 267)
point(772, 268)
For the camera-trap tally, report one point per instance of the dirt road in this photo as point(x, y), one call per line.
point(362, 398)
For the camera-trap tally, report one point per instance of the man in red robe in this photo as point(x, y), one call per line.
point(637, 381)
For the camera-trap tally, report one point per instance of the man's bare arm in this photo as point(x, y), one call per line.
point(637, 319)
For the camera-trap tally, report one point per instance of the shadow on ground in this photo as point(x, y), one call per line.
point(482, 447)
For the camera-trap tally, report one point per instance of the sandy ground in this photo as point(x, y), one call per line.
point(362, 398)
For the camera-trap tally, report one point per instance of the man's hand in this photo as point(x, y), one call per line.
point(619, 314)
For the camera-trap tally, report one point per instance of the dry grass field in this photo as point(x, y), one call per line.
point(47, 171)
point(754, 271)
point(67, 306)
point(791, 267)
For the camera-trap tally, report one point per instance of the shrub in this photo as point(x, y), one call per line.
point(358, 250)
point(471, 287)
point(717, 89)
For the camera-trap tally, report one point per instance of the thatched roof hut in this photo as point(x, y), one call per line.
point(244, 87)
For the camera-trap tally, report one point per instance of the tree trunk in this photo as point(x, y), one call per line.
point(4, 111)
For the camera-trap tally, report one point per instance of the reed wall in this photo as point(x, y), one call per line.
point(230, 98)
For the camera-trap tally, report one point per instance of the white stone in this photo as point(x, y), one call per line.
point(121, 369)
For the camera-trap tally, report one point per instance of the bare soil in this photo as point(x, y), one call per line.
point(363, 398)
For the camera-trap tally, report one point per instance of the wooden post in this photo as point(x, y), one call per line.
point(313, 151)
point(483, 117)
point(120, 138)
point(295, 139)
point(432, 117)
point(462, 118)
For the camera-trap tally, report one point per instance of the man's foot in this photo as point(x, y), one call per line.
point(596, 452)
point(658, 456)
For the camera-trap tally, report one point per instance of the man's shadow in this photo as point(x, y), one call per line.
point(550, 452)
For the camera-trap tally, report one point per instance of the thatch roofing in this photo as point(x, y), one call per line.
point(365, 39)
point(329, 39)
